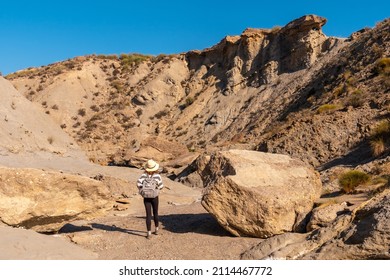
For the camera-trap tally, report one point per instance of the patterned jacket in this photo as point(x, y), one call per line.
point(155, 176)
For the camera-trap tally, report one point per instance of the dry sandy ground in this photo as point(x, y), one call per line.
point(187, 232)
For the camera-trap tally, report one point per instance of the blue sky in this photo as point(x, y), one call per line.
point(37, 33)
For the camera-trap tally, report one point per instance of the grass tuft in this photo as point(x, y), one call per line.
point(380, 138)
point(351, 179)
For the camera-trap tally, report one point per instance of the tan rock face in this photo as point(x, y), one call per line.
point(359, 234)
point(24, 128)
point(258, 194)
point(322, 216)
point(44, 201)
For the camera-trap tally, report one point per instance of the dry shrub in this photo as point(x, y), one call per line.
point(326, 108)
point(380, 138)
point(382, 66)
point(351, 179)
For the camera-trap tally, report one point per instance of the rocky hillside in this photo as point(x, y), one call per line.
point(292, 90)
point(24, 129)
point(289, 90)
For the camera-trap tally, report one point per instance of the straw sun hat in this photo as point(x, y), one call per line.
point(151, 165)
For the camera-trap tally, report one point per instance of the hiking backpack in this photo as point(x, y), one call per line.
point(149, 188)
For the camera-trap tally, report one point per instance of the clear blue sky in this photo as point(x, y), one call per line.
point(36, 33)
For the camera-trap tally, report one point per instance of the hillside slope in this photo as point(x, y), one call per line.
point(24, 129)
point(290, 90)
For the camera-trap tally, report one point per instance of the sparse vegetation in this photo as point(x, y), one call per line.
point(338, 91)
point(351, 179)
point(351, 81)
point(380, 138)
point(356, 99)
point(382, 66)
point(81, 112)
point(129, 60)
point(161, 114)
point(139, 112)
point(103, 56)
point(117, 85)
point(95, 108)
point(165, 58)
point(22, 73)
point(189, 101)
point(327, 108)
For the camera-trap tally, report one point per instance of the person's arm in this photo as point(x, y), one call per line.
point(159, 181)
point(140, 181)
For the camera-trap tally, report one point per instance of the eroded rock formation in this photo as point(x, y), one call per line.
point(46, 200)
point(363, 233)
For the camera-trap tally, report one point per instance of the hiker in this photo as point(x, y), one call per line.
point(149, 184)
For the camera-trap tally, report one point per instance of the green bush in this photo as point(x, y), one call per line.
point(351, 179)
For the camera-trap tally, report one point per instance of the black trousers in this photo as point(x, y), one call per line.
point(149, 204)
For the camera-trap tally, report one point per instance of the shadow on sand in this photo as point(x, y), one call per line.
point(69, 228)
point(202, 223)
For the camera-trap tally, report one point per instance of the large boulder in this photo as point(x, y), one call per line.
point(259, 194)
point(46, 200)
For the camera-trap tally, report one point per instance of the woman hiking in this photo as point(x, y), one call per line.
point(149, 184)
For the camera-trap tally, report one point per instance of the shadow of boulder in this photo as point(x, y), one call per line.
point(202, 223)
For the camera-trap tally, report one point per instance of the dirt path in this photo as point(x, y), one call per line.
point(187, 232)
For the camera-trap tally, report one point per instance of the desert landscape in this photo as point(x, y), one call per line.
point(273, 144)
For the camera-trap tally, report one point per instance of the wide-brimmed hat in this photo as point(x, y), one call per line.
point(151, 165)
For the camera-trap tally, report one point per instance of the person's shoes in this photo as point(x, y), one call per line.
point(156, 231)
point(149, 235)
